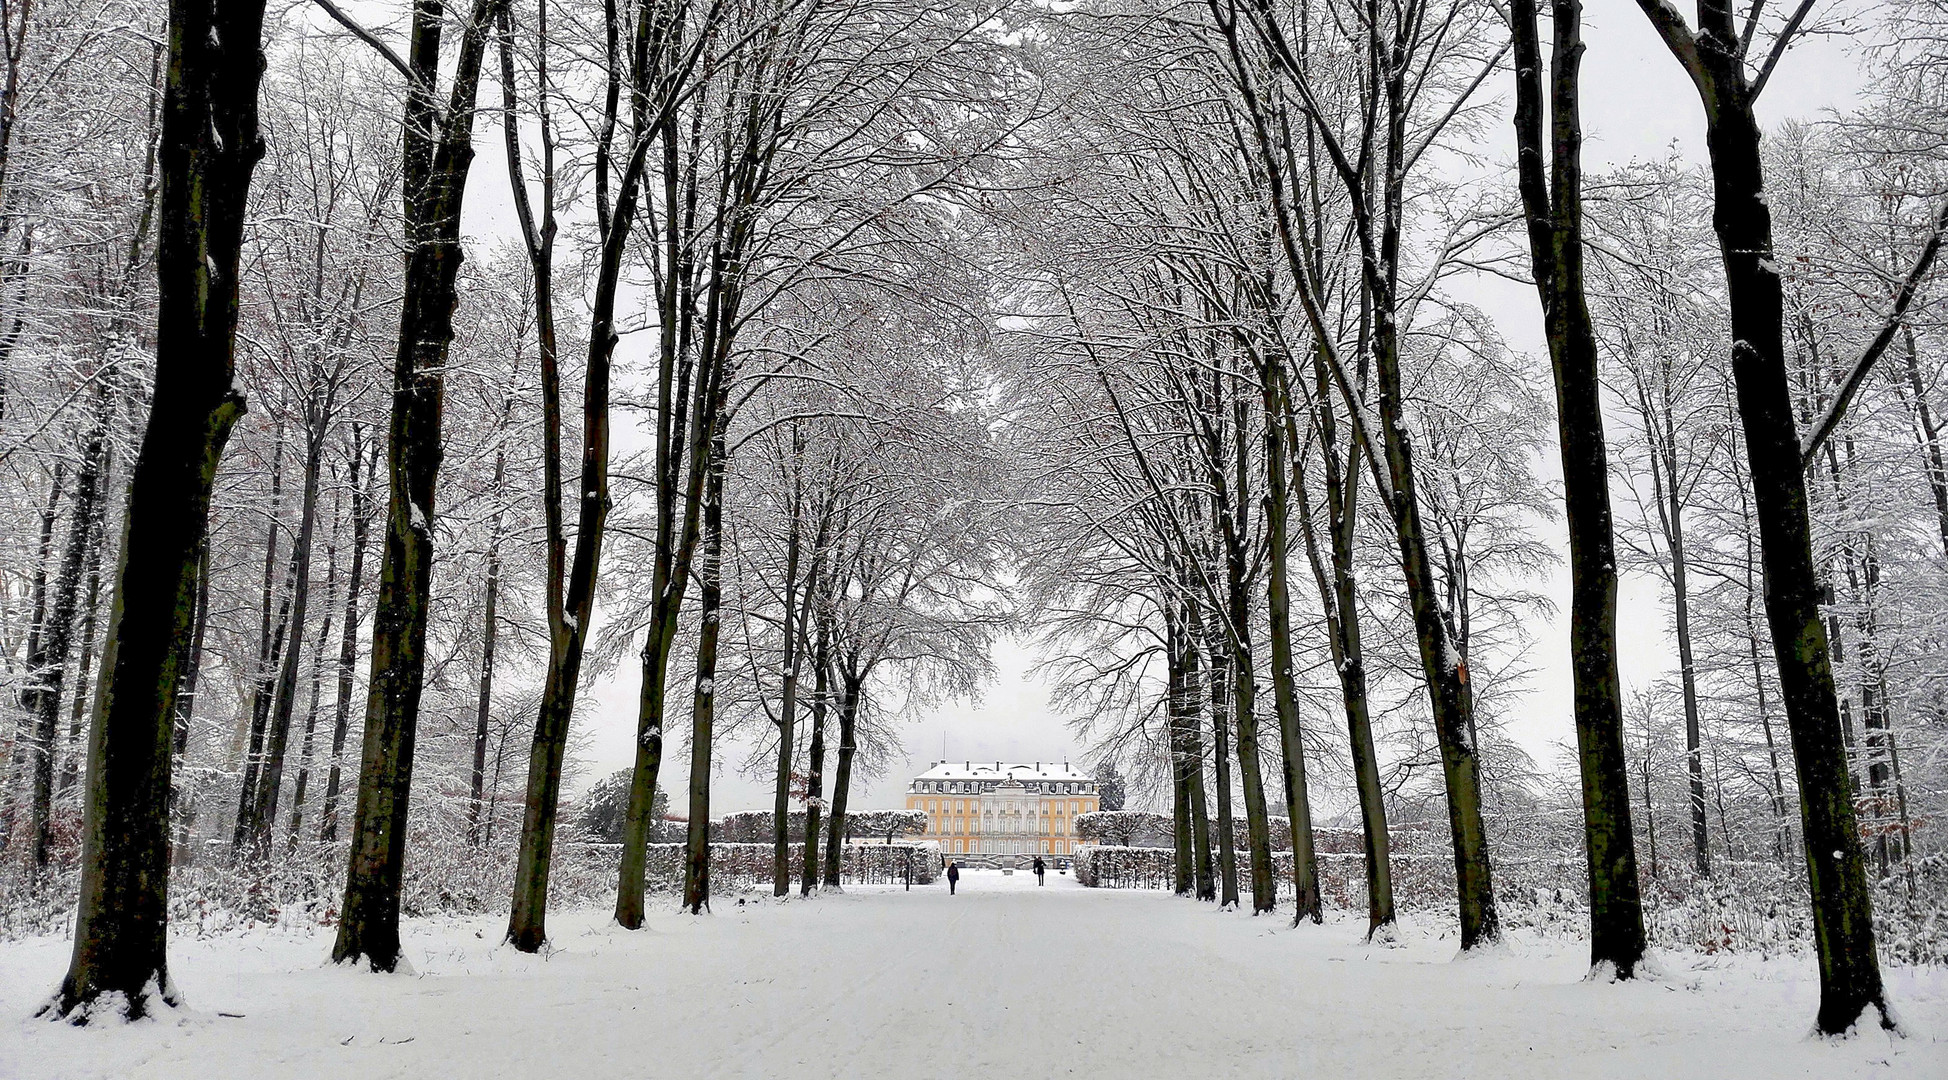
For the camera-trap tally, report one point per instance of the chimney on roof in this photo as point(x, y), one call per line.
point(969, 764)
point(997, 766)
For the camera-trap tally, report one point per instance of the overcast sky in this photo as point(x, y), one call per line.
point(1638, 105)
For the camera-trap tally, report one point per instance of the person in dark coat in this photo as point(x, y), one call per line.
point(1040, 869)
point(953, 877)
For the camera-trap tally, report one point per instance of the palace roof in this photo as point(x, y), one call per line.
point(1003, 770)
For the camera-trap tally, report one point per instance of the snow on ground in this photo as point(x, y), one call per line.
point(1002, 980)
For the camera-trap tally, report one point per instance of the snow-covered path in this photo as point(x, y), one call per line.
point(1002, 980)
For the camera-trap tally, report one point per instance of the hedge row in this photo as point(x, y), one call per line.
point(1141, 828)
point(302, 888)
point(1746, 906)
point(736, 867)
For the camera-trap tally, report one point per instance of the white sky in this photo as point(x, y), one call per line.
point(1638, 105)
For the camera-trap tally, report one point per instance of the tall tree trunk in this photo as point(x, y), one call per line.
point(1173, 652)
point(815, 764)
point(571, 583)
point(263, 810)
point(490, 609)
point(51, 666)
point(90, 613)
point(1842, 904)
point(438, 152)
point(1221, 687)
point(348, 642)
point(1927, 431)
point(263, 682)
point(183, 802)
point(1443, 666)
point(1376, 199)
point(1298, 807)
point(307, 748)
point(1553, 202)
point(786, 723)
point(1192, 710)
point(678, 524)
point(703, 712)
point(484, 697)
point(1339, 598)
point(1782, 829)
point(1251, 776)
point(1670, 512)
point(19, 762)
point(851, 686)
point(209, 146)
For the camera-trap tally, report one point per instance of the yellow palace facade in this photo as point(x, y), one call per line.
point(1002, 809)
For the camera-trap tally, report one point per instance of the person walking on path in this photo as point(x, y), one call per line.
point(953, 877)
point(1040, 869)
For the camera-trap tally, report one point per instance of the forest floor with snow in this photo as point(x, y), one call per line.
point(1003, 979)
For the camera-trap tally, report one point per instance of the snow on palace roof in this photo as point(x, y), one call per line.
point(1002, 770)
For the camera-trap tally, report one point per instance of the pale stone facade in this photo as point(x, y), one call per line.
point(1002, 808)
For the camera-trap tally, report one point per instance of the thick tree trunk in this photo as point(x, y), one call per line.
point(684, 426)
point(1842, 902)
point(438, 152)
point(1553, 202)
point(209, 146)
point(1842, 907)
point(678, 528)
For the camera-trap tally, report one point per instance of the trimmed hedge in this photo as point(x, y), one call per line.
point(744, 867)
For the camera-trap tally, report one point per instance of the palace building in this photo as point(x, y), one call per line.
point(1002, 809)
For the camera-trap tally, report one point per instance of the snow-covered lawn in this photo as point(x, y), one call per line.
point(1004, 980)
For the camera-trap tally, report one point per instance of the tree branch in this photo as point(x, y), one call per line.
point(338, 15)
point(1677, 37)
point(1856, 377)
point(1779, 46)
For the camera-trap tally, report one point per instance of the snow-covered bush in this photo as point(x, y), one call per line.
point(754, 827)
point(1101, 866)
point(603, 810)
point(745, 867)
point(1125, 828)
point(885, 824)
point(1140, 828)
